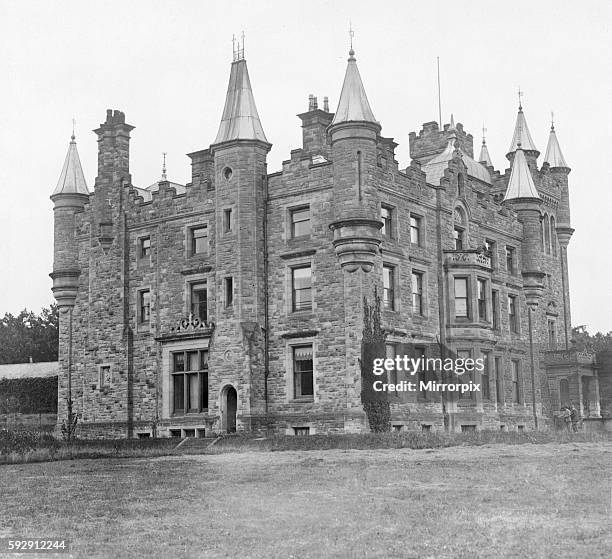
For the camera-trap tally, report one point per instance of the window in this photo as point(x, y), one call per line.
point(199, 301)
point(491, 252)
point(301, 431)
point(546, 234)
point(386, 213)
point(495, 308)
point(512, 316)
point(553, 236)
point(499, 386)
point(417, 293)
point(229, 292)
point(482, 299)
point(510, 260)
point(228, 220)
point(552, 334)
point(425, 427)
point(388, 287)
point(422, 376)
point(189, 381)
point(301, 287)
point(415, 230)
point(458, 238)
point(468, 428)
point(303, 385)
point(468, 375)
point(390, 354)
point(144, 306)
point(516, 374)
point(144, 247)
point(199, 239)
point(485, 376)
point(105, 376)
point(461, 298)
point(300, 222)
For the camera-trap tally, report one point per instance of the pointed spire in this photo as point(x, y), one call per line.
point(484, 150)
point(72, 179)
point(452, 123)
point(521, 135)
point(353, 104)
point(240, 120)
point(521, 183)
point(554, 156)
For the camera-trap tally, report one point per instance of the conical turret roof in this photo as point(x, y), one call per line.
point(521, 183)
point(240, 120)
point(72, 179)
point(485, 158)
point(521, 135)
point(554, 156)
point(353, 104)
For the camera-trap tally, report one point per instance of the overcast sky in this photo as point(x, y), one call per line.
point(166, 65)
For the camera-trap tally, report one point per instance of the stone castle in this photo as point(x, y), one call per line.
point(236, 302)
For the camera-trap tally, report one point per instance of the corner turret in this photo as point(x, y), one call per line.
point(69, 197)
point(354, 134)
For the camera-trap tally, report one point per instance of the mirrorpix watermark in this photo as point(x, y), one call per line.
point(423, 372)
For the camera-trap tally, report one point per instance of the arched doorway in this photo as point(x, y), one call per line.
point(230, 406)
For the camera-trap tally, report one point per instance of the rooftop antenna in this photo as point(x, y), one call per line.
point(164, 176)
point(439, 95)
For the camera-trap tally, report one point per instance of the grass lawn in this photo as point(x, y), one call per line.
point(546, 500)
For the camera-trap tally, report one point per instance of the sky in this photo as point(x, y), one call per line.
point(166, 65)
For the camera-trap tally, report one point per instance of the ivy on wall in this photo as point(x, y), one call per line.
point(375, 404)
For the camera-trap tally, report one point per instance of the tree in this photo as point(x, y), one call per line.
point(375, 404)
point(584, 341)
point(28, 335)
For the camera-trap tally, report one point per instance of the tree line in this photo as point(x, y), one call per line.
point(29, 336)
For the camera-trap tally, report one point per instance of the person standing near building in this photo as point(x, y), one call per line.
point(574, 417)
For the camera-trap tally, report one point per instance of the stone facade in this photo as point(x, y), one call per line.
point(132, 262)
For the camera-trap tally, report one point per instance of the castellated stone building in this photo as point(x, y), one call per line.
point(235, 302)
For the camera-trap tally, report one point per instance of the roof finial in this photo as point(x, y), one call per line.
point(552, 120)
point(73, 125)
point(520, 94)
point(484, 132)
point(237, 50)
point(164, 176)
point(351, 35)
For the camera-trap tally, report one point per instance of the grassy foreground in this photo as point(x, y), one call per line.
point(535, 501)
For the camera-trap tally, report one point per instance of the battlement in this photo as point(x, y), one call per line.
point(431, 141)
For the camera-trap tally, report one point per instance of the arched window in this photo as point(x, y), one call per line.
point(553, 235)
point(546, 234)
point(564, 398)
point(459, 230)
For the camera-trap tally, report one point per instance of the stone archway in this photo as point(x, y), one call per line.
point(229, 401)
